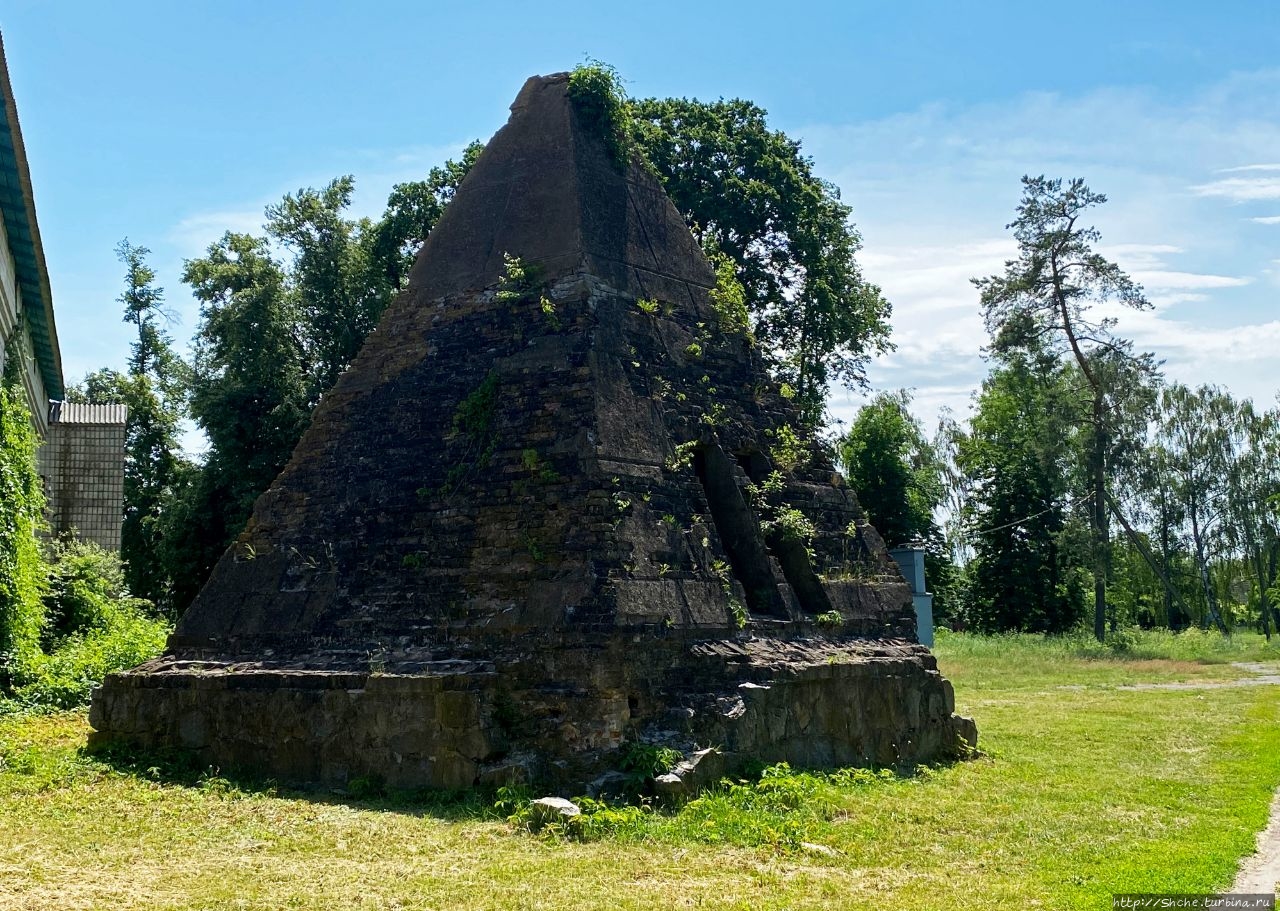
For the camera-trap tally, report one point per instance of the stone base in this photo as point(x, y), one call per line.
point(412, 722)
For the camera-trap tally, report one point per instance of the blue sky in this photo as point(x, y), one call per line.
point(170, 123)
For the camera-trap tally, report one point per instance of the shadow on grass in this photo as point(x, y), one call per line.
point(758, 790)
point(182, 768)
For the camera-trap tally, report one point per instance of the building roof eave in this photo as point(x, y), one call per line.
point(18, 203)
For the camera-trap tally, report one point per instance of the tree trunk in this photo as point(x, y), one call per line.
point(1165, 557)
point(1101, 531)
point(1145, 551)
point(1210, 597)
point(1264, 601)
point(1272, 568)
point(1273, 559)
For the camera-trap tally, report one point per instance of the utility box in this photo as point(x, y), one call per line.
point(910, 561)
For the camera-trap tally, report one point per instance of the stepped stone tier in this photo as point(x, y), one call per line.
point(555, 506)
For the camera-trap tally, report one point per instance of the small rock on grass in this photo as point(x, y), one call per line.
point(546, 810)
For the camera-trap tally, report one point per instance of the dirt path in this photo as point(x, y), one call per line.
point(1263, 675)
point(1260, 872)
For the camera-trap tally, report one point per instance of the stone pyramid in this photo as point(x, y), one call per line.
point(554, 506)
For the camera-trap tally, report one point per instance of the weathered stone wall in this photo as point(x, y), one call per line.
point(556, 714)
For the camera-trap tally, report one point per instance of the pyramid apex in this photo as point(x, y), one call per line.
point(535, 83)
point(548, 189)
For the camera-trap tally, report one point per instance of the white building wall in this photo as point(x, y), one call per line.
point(11, 305)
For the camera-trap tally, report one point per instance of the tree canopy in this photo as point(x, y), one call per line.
point(749, 192)
point(893, 469)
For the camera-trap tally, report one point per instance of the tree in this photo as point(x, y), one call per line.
point(897, 475)
point(1195, 432)
point(249, 395)
point(249, 387)
point(1157, 502)
point(1253, 493)
point(749, 192)
point(892, 468)
point(1044, 299)
point(1024, 574)
point(339, 293)
point(153, 389)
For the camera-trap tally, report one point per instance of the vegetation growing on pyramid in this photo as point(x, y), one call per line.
point(596, 91)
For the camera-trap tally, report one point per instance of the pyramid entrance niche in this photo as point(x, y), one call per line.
point(546, 511)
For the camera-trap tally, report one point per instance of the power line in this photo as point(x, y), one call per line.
point(1068, 505)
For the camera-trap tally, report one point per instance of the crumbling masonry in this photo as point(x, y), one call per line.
point(553, 506)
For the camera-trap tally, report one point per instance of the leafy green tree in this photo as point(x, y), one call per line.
point(749, 192)
point(1024, 574)
point(1043, 300)
point(892, 467)
point(339, 292)
point(154, 391)
point(1253, 493)
point(898, 476)
point(1196, 434)
point(249, 388)
point(249, 395)
point(1156, 502)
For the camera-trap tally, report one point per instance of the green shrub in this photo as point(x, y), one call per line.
point(66, 676)
point(649, 760)
point(85, 585)
point(729, 298)
point(92, 627)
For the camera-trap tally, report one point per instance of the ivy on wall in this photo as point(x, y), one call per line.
point(22, 570)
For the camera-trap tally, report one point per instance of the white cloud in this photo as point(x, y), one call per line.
point(194, 233)
point(1194, 351)
point(932, 190)
point(1164, 279)
point(1250, 167)
point(1116, 251)
point(1241, 189)
point(1171, 299)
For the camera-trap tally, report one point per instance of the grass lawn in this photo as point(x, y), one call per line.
point(1086, 789)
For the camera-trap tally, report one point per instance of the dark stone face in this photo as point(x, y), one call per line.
point(552, 484)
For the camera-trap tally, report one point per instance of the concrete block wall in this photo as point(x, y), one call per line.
point(82, 462)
